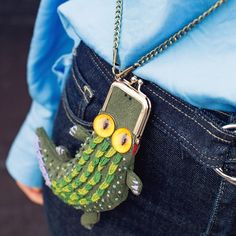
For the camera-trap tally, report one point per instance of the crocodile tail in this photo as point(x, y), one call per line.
point(47, 156)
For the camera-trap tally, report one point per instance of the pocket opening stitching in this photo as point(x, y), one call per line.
point(98, 67)
point(201, 156)
point(188, 108)
point(191, 118)
point(71, 116)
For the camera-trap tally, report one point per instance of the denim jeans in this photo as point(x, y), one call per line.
point(180, 147)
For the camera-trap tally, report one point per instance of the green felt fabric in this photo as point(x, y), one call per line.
point(124, 110)
point(97, 179)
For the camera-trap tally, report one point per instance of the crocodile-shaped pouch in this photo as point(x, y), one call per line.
point(100, 175)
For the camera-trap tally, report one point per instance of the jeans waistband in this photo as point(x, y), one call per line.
point(199, 131)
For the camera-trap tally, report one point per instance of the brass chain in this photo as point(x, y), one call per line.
point(116, 39)
point(160, 48)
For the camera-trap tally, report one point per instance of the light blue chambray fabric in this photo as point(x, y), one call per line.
point(199, 68)
point(48, 64)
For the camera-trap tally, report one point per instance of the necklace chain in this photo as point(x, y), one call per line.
point(160, 48)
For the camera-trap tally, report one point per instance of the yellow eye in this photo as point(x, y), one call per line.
point(121, 140)
point(104, 125)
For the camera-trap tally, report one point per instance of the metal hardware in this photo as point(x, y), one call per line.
point(220, 171)
point(125, 72)
point(129, 88)
point(230, 179)
point(134, 81)
point(159, 49)
point(88, 91)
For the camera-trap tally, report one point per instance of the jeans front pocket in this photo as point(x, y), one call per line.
point(77, 96)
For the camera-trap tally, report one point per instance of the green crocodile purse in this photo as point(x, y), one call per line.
point(98, 178)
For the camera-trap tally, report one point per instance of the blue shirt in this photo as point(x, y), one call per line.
point(200, 68)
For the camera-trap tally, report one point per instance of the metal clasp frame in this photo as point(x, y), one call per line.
point(219, 171)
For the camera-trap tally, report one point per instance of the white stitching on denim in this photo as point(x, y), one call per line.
point(227, 167)
point(70, 117)
point(100, 62)
point(99, 68)
point(66, 112)
point(200, 160)
point(79, 87)
point(74, 77)
point(190, 109)
point(208, 131)
point(172, 129)
point(215, 207)
point(194, 147)
point(223, 113)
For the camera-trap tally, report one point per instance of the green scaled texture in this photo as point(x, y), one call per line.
point(98, 177)
point(94, 180)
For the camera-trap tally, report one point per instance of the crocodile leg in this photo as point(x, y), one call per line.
point(63, 153)
point(134, 182)
point(89, 219)
point(79, 132)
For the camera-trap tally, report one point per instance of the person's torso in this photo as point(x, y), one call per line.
point(199, 68)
